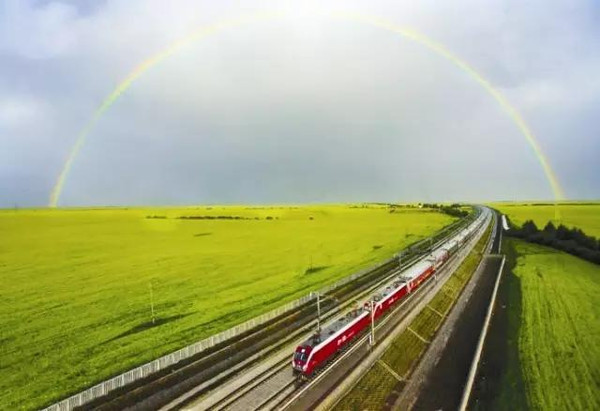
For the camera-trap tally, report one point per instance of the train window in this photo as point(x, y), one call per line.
point(300, 356)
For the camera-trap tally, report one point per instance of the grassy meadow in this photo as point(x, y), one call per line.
point(582, 215)
point(559, 332)
point(77, 284)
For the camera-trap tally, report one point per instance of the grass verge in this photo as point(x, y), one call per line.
point(558, 361)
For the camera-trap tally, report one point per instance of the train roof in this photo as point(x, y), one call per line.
point(416, 269)
point(334, 326)
point(384, 292)
point(340, 323)
point(440, 252)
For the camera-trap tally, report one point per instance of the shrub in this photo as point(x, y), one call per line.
point(571, 240)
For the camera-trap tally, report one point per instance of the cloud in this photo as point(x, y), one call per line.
point(20, 111)
point(37, 32)
point(302, 108)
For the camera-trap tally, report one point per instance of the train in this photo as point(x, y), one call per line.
point(327, 342)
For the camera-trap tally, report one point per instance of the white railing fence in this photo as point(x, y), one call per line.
point(103, 388)
point(143, 371)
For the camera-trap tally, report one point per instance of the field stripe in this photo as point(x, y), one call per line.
point(387, 367)
point(418, 336)
point(435, 311)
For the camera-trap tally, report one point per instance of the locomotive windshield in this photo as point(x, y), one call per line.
point(300, 356)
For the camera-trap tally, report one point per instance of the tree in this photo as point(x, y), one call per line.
point(563, 233)
point(550, 228)
point(571, 240)
point(529, 228)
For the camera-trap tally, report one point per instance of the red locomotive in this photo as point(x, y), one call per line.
point(314, 352)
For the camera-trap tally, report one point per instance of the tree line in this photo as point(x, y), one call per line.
point(571, 240)
point(452, 210)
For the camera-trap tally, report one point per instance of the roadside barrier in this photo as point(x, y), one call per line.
point(476, 357)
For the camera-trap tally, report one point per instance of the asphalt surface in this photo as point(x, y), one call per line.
point(445, 383)
point(501, 349)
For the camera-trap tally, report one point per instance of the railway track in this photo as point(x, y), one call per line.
point(278, 388)
point(219, 365)
point(358, 360)
point(284, 344)
point(267, 395)
point(271, 373)
point(273, 387)
point(282, 350)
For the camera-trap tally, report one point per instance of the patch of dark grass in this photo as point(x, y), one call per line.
point(147, 325)
point(500, 384)
point(212, 217)
point(316, 269)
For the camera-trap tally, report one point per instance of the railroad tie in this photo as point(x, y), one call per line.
point(418, 336)
point(387, 367)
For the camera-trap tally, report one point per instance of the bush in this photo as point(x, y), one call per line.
point(570, 240)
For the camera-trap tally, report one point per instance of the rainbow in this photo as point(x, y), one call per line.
point(206, 31)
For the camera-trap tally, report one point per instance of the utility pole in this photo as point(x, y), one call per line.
point(434, 262)
point(318, 312)
point(372, 323)
point(151, 301)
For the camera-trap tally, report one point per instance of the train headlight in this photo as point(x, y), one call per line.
point(304, 367)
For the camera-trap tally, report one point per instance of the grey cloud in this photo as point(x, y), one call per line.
point(299, 109)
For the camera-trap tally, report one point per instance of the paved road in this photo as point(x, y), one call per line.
point(445, 382)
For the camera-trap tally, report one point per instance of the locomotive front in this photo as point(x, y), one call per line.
point(299, 361)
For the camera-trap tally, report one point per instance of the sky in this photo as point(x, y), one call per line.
point(302, 108)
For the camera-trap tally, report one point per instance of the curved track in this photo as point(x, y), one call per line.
point(274, 386)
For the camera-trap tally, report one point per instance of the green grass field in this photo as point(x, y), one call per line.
point(585, 216)
point(75, 298)
point(559, 332)
point(402, 355)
